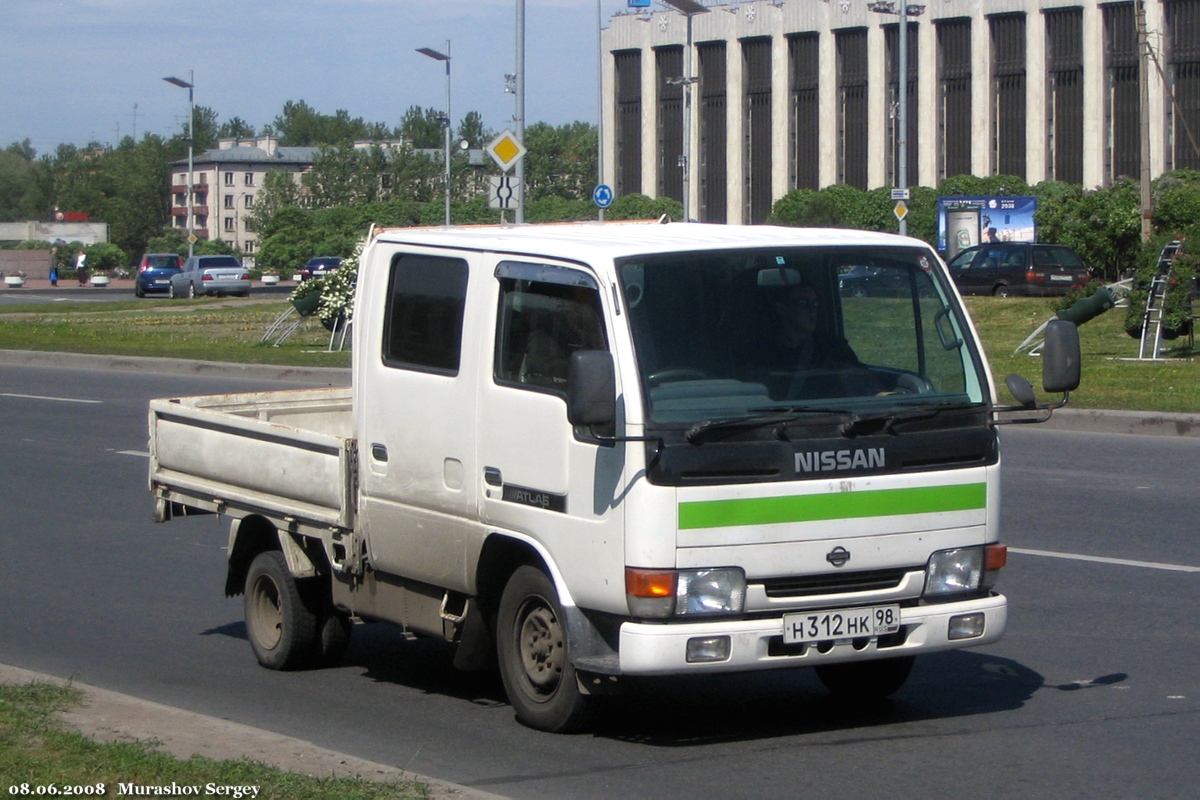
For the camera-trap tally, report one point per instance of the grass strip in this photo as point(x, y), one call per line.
point(38, 751)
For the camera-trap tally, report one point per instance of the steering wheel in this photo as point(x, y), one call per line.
point(673, 374)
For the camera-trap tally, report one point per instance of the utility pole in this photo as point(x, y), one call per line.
point(520, 115)
point(1144, 118)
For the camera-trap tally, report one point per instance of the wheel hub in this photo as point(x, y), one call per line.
point(541, 644)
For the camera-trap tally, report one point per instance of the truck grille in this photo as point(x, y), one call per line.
point(837, 583)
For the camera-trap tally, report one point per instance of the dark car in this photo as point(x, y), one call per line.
point(154, 273)
point(866, 281)
point(219, 275)
point(319, 267)
point(1028, 269)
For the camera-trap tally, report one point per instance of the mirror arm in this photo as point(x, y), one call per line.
point(1048, 411)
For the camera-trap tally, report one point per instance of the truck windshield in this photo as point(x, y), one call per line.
point(729, 336)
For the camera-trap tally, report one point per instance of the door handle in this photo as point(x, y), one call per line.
point(379, 453)
point(492, 476)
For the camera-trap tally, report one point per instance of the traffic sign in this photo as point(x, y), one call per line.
point(505, 150)
point(900, 194)
point(503, 192)
point(602, 196)
point(901, 210)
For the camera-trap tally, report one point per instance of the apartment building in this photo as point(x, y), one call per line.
point(226, 182)
point(789, 94)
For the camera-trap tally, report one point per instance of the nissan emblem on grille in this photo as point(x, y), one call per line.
point(838, 556)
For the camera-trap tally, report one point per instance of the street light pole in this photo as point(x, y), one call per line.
point(889, 7)
point(189, 84)
point(438, 56)
point(689, 8)
point(902, 109)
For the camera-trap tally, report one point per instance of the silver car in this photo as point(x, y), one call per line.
point(204, 275)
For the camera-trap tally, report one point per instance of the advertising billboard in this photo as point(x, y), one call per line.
point(964, 222)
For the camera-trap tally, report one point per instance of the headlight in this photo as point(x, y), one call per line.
point(687, 592)
point(954, 571)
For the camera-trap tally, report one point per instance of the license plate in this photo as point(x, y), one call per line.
point(161, 283)
point(840, 623)
point(1060, 277)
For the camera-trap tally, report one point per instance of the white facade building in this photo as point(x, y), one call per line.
point(791, 94)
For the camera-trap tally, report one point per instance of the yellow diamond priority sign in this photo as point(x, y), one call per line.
point(505, 150)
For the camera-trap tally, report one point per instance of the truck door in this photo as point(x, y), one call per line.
point(537, 478)
point(418, 500)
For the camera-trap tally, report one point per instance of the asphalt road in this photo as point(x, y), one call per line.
point(1094, 692)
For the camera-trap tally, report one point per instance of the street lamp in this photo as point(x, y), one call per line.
point(189, 85)
point(438, 56)
point(689, 8)
point(905, 10)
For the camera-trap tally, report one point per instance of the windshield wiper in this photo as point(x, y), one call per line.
point(851, 427)
point(785, 415)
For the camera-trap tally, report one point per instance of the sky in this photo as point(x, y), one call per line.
point(77, 71)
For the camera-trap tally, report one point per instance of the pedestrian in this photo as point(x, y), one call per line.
point(54, 266)
point(81, 268)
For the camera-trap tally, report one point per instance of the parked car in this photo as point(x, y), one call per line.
point(319, 267)
point(154, 273)
point(867, 281)
point(203, 275)
point(1028, 269)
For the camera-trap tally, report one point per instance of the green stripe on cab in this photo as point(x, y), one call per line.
point(838, 505)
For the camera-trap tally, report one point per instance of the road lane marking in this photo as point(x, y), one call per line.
point(138, 453)
point(1124, 562)
point(43, 397)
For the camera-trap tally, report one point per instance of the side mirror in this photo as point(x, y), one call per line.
point(591, 388)
point(1061, 357)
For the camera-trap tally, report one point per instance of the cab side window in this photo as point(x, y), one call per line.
point(424, 321)
point(540, 324)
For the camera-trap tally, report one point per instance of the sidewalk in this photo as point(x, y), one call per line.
point(112, 717)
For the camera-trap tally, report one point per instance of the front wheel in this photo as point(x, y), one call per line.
point(531, 643)
point(191, 291)
point(281, 628)
point(866, 680)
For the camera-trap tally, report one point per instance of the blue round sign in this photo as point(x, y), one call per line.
point(602, 196)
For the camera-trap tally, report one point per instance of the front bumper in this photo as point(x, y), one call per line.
point(755, 644)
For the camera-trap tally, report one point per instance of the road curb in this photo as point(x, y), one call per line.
point(331, 376)
point(108, 716)
point(1141, 423)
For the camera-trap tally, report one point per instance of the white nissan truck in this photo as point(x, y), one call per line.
point(589, 452)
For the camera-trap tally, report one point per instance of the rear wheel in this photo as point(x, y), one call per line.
point(191, 291)
point(531, 643)
point(866, 680)
point(281, 627)
point(1000, 291)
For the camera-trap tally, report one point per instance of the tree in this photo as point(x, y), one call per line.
point(300, 125)
point(472, 131)
point(21, 185)
point(423, 129)
point(236, 128)
point(560, 162)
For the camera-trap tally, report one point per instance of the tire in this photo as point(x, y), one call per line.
point(279, 624)
point(858, 291)
point(137, 290)
point(531, 644)
point(191, 291)
point(866, 680)
point(171, 291)
point(1000, 291)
